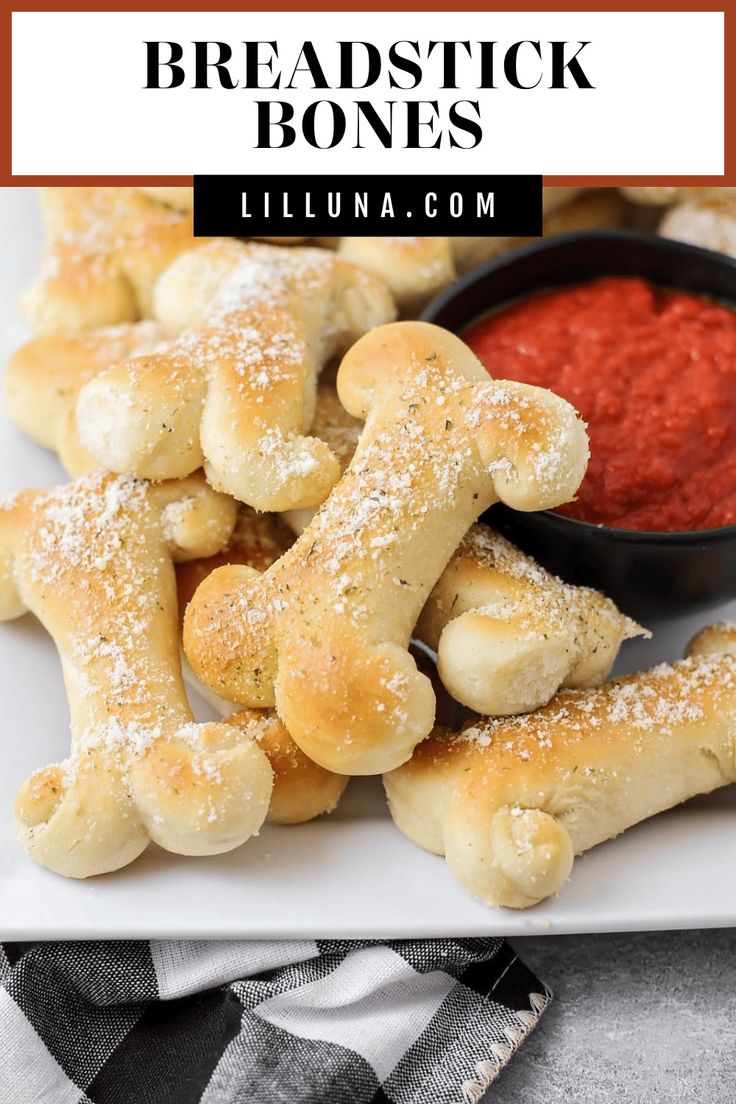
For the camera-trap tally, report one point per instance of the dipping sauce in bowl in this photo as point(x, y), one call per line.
point(652, 574)
point(653, 373)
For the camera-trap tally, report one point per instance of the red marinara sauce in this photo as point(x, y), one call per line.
point(653, 373)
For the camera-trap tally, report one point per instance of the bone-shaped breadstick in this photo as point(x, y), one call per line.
point(302, 790)
point(44, 377)
point(236, 390)
point(508, 634)
point(105, 249)
point(323, 633)
point(93, 561)
point(511, 801)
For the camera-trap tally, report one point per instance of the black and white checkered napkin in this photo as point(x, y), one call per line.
point(402, 1022)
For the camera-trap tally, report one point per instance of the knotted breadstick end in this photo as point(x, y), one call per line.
point(508, 634)
point(510, 800)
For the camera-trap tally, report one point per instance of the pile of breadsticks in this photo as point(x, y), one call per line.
point(294, 529)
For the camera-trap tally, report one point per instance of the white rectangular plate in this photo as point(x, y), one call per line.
point(348, 875)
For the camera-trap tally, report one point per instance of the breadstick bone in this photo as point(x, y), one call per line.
point(236, 391)
point(509, 855)
point(510, 801)
point(508, 634)
point(44, 377)
point(93, 561)
point(323, 634)
point(105, 248)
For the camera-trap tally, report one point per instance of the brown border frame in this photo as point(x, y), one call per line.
point(728, 7)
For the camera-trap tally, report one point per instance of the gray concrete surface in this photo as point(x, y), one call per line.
point(637, 1019)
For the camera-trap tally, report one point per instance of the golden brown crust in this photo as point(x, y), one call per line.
point(236, 391)
point(323, 633)
point(107, 245)
point(595, 209)
point(553, 199)
point(509, 635)
point(105, 249)
point(256, 541)
point(93, 561)
point(510, 801)
point(714, 639)
point(302, 790)
point(333, 425)
point(44, 377)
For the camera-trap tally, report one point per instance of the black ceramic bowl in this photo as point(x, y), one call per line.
point(650, 575)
